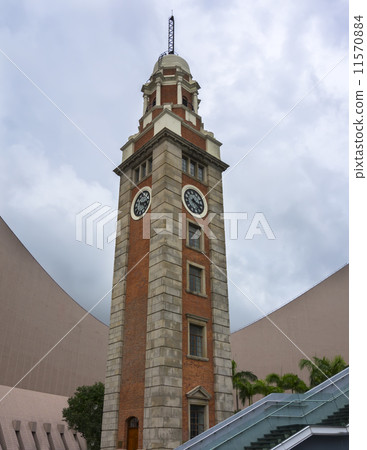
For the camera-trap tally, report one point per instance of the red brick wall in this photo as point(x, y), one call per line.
point(193, 137)
point(196, 372)
point(156, 112)
point(180, 111)
point(143, 139)
point(133, 363)
point(169, 71)
point(169, 94)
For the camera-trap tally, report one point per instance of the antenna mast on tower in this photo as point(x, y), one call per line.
point(171, 35)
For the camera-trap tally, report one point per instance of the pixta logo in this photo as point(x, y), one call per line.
point(96, 225)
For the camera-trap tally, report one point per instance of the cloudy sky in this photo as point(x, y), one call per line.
point(274, 87)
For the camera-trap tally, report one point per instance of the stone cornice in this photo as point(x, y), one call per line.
point(150, 86)
point(188, 148)
point(202, 133)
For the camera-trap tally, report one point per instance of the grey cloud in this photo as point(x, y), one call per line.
point(253, 63)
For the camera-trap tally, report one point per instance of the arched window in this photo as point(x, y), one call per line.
point(133, 422)
point(184, 101)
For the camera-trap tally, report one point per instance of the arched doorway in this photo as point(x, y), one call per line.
point(132, 433)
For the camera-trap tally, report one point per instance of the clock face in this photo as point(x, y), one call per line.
point(194, 201)
point(141, 203)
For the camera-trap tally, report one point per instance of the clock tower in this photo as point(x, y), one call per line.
point(169, 363)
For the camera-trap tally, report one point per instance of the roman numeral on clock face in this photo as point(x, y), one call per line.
point(194, 201)
point(141, 203)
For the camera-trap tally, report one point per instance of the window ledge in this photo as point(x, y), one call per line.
point(142, 179)
point(199, 294)
point(200, 250)
point(197, 358)
point(203, 182)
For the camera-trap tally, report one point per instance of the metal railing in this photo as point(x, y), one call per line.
point(332, 390)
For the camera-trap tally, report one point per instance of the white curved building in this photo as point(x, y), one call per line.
point(314, 324)
point(37, 315)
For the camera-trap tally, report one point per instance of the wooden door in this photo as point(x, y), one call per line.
point(132, 434)
point(132, 439)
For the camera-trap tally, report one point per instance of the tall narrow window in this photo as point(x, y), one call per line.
point(196, 340)
point(201, 173)
point(192, 168)
point(136, 175)
point(195, 279)
point(184, 101)
point(194, 234)
point(197, 420)
point(143, 170)
point(150, 165)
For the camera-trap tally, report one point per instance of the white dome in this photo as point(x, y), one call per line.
point(169, 60)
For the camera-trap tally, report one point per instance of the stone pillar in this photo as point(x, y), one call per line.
point(179, 92)
point(145, 104)
point(163, 375)
point(116, 332)
point(195, 101)
point(220, 311)
point(158, 95)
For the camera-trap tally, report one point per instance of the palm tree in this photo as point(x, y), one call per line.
point(248, 390)
point(238, 380)
point(264, 388)
point(322, 368)
point(287, 381)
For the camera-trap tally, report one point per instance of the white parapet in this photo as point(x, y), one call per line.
point(168, 120)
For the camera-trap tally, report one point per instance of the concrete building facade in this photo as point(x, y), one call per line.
point(46, 352)
point(169, 362)
point(32, 420)
point(314, 324)
point(37, 315)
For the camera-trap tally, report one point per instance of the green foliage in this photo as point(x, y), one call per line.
point(246, 384)
point(322, 368)
point(288, 381)
point(264, 388)
point(248, 390)
point(84, 413)
point(238, 380)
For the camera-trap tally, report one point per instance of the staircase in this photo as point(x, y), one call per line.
point(275, 437)
point(338, 419)
point(277, 417)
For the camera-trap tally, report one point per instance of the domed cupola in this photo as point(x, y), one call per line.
point(171, 84)
point(169, 61)
point(171, 103)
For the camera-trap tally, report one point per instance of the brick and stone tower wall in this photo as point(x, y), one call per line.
point(169, 363)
